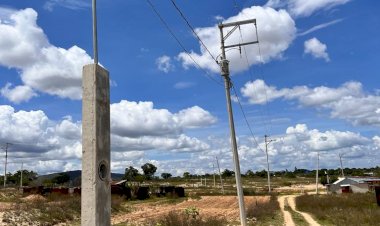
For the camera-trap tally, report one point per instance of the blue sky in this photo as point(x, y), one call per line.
point(311, 83)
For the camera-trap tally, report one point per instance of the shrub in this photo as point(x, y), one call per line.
point(182, 219)
point(264, 210)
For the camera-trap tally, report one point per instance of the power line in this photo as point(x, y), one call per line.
point(251, 73)
point(193, 30)
point(180, 43)
point(245, 118)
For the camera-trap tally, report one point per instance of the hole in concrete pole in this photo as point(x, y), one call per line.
point(103, 171)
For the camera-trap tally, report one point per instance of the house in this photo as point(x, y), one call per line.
point(354, 185)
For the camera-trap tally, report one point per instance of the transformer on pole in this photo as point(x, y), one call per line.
point(224, 66)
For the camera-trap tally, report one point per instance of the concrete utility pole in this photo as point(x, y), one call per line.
point(96, 171)
point(317, 174)
point(224, 65)
point(5, 163)
point(266, 151)
point(22, 165)
point(341, 164)
point(220, 175)
point(213, 169)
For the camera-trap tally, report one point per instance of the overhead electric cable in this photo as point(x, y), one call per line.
point(193, 30)
point(180, 43)
point(268, 128)
point(245, 117)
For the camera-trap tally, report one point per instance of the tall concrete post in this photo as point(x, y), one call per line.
point(96, 173)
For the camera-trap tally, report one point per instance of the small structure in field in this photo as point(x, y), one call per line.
point(354, 185)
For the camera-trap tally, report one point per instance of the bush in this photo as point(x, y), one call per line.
point(264, 210)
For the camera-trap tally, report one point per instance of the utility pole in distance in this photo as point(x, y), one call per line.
point(341, 164)
point(266, 151)
point(224, 65)
point(5, 163)
point(220, 175)
point(22, 166)
point(317, 174)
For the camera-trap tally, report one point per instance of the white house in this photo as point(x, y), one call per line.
point(353, 185)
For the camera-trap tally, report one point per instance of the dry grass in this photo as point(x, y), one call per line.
point(265, 213)
point(184, 219)
point(344, 209)
point(55, 209)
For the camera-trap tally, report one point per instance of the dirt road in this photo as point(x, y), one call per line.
point(288, 220)
point(308, 217)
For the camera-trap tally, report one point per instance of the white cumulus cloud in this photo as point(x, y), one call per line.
point(43, 67)
point(316, 48)
point(348, 102)
point(135, 119)
point(164, 64)
point(276, 31)
point(17, 94)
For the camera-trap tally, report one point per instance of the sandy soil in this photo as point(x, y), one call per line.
point(217, 206)
point(287, 216)
point(308, 217)
point(288, 220)
point(4, 207)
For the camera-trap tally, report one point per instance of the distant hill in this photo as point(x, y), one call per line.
point(75, 177)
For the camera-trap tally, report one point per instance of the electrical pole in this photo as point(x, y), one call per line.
point(266, 151)
point(220, 175)
point(341, 164)
point(6, 162)
point(224, 65)
point(316, 175)
point(22, 164)
point(96, 160)
point(213, 169)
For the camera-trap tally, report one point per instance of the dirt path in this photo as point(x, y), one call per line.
point(288, 220)
point(308, 217)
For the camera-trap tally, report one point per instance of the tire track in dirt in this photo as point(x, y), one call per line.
point(308, 217)
point(288, 220)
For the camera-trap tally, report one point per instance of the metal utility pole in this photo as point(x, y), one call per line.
point(220, 175)
point(341, 164)
point(224, 65)
point(316, 175)
point(94, 32)
point(266, 151)
point(5, 163)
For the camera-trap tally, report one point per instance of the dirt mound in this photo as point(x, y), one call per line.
point(32, 198)
point(209, 206)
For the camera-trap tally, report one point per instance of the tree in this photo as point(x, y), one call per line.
point(250, 173)
point(149, 169)
point(27, 177)
point(186, 175)
point(61, 178)
point(228, 173)
point(131, 173)
point(166, 175)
